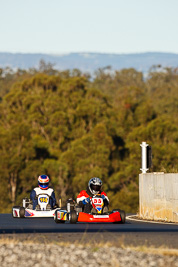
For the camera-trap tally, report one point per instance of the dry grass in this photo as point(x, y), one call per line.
point(152, 250)
point(6, 240)
point(95, 246)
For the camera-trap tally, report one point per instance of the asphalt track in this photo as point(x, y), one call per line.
point(136, 233)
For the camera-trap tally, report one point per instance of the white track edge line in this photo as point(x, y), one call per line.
point(132, 219)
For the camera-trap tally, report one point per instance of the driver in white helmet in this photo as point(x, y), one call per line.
point(85, 196)
point(43, 188)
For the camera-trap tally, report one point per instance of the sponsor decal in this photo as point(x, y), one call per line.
point(28, 213)
point(99, 208)
point(15, 213)
point(100, 216)
point(61, 215)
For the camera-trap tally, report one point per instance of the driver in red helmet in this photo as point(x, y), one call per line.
point(85, 196)
point(43, 188)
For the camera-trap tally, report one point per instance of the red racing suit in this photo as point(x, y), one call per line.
point(85, 194)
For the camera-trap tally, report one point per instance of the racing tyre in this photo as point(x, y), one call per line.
point(22, 212)
point(16, 207)
point(56, 220)
point(73, 217)
point(122, 214)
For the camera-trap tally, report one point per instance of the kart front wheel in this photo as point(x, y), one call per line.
point(73, 217)
point(22, 212)
point(122, 214)
point(15, 207)
point(56, 219)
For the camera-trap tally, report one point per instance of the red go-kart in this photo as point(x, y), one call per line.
point(75, 214)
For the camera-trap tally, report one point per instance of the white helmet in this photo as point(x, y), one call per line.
point(94, 185)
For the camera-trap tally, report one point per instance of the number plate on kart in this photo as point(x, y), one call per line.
point(43, 200)
point(100, 216)
point(97, 201)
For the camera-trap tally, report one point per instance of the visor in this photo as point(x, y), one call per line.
point(96, 187)
point(43, 186)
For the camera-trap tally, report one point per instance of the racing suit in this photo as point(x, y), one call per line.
point(37, 191)
point(84, 194)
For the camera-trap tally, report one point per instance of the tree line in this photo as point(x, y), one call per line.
point(72, 127)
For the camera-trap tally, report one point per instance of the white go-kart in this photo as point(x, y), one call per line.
point(43, 208)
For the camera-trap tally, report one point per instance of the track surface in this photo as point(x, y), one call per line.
point(130, 233)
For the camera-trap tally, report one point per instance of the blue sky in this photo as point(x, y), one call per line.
point(105, 26)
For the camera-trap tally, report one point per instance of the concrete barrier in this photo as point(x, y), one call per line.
point(158, 196)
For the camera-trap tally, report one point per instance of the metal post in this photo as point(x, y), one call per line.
point(144, 168)
point(24, 203)
point(68, 207)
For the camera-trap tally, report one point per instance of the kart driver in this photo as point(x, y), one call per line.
point(43, 188)
point(93, 188)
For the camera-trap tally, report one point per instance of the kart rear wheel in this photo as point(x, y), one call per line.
point(22, 212)
point(73, 217)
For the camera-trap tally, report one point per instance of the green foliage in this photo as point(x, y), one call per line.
point(71, 128)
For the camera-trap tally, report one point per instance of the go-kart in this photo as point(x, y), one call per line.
point(74, 213)
point(43, 208)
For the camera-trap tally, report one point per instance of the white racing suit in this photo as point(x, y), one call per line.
point(37, 191)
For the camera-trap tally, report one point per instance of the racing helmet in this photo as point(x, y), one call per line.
point(94, 185)
point(43, 181)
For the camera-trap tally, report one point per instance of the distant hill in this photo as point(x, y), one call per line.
point(89, 62)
